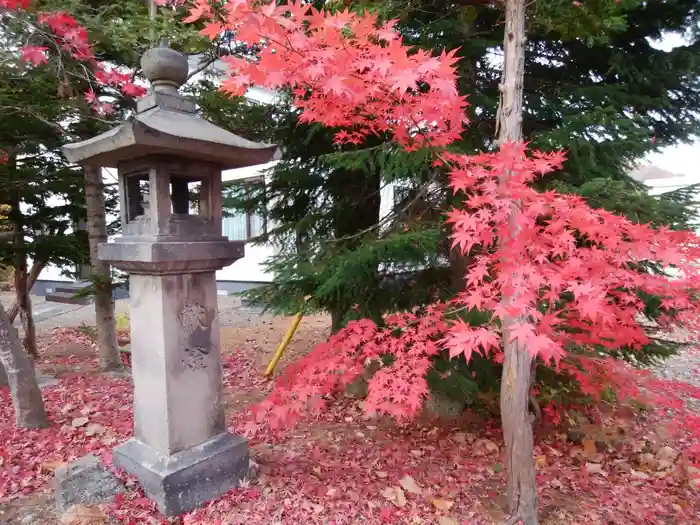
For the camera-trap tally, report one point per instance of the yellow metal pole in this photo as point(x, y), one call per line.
point(287, 338)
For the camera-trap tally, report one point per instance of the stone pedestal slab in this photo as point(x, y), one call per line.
point(184, 481)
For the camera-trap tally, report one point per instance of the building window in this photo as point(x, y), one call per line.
point(238, 225)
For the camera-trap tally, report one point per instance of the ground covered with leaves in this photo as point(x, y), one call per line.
point(344, 468)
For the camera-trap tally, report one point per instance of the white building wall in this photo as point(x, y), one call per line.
point(386, 203)
point(661, 186)
point(53, 272)
point(667, 185)
point(249, 269)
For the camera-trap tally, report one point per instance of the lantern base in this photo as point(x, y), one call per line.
point(184, 481)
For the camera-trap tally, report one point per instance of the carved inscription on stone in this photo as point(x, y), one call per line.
point(195, 358)
point(195, 328)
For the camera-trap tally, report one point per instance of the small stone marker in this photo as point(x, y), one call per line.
point(84, 482)
point(45, 380)
point(441, 406)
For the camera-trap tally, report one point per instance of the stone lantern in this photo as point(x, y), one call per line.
point(169, 162)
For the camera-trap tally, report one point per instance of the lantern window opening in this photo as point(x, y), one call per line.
point(137, 188)
point(187, 195)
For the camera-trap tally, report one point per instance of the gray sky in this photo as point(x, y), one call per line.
point(685, 158)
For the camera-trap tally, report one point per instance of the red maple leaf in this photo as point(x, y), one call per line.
point(521, 332)
point(15, 4)
point(200, 9)
point(465, 339)
point(90, 96)
point(132, 90)
point(35, 55)
point(212, 30)
point(236, 85)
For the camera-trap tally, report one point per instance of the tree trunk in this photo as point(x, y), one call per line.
point(356, 207)
point(34, 271)
point(517, 432)
point(469, 65)
point(515, 383)
point(3, 377)
point(26, 396)
point(108, 345)
point(337, 316)
point(459, 266)
point(24, 303)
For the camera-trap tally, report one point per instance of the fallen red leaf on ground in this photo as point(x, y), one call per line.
point(339, 467)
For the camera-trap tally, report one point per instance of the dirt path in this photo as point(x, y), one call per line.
point(49, 315)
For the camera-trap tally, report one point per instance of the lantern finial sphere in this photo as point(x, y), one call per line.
point(165, 68)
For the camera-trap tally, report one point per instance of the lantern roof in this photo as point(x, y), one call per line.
point(166, 123)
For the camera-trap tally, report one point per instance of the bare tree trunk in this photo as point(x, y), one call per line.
point(337, 316)
point(24, 303)
point(26, 396)
point(34, 272)
point(3, 377)
point(108, 345)
point(152, 12)
point(515, 383)
point(517, 432)
point(459, 262)
point(459, 265)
